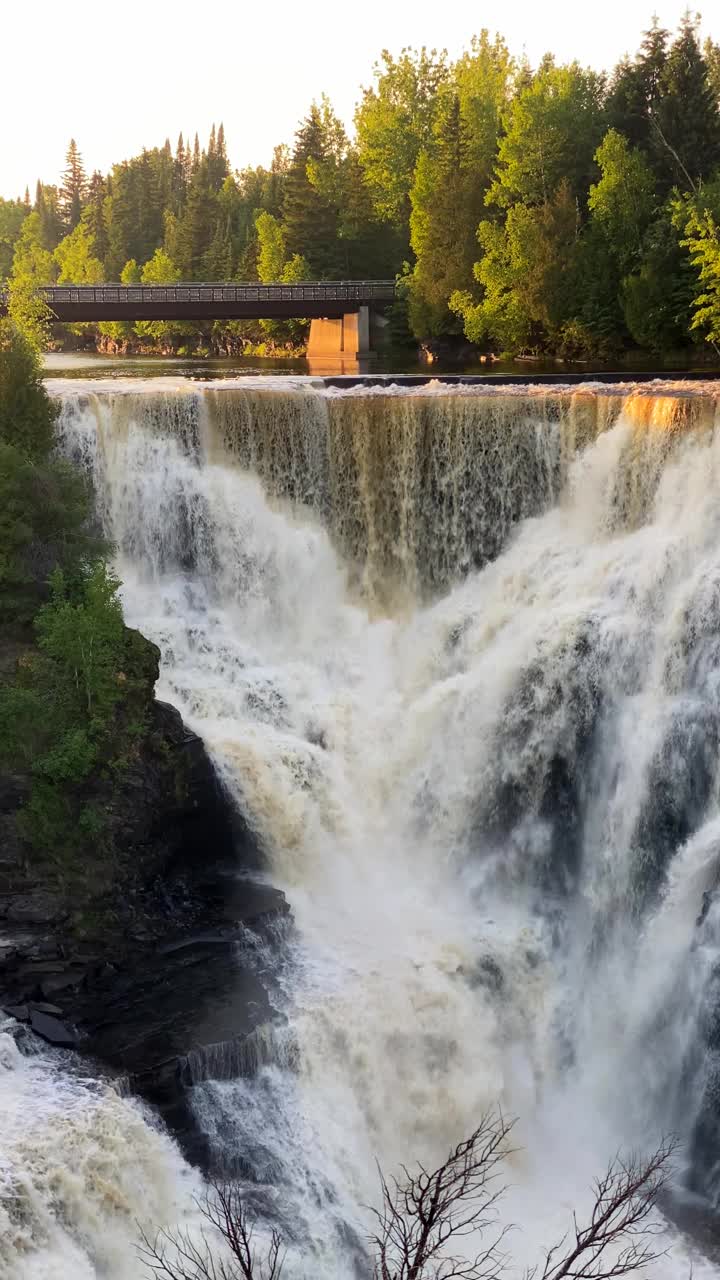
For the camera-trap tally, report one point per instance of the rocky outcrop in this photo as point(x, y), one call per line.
point(161, 816)
point(153, 962)
point(164, 1017)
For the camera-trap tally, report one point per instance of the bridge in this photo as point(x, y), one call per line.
point(340, 310)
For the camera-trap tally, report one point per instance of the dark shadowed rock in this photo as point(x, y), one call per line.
point(53, 1030)
point(36, 908)
point(55, 983)
point(180, 1006)
point(147, 948)
point(20, 1012)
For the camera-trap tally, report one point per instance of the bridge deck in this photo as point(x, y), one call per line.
point(77, 303)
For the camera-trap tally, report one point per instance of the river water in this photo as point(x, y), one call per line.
point(456, 655)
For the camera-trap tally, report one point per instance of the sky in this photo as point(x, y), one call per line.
point(121, 76)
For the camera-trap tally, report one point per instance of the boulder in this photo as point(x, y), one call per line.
point(53, 1030)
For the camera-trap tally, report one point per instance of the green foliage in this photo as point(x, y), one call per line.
point(394, 122)
point(296, 269)
point(27, 414)
point(160, 270)
point(51, 226)
point(76, 707)
point(43, 501)
point(657, 298)
point(570, 175)
point(12, 216)
point(525, 272)
point(310, 217)
point(636, 89)
point(73, 187)
point(121, 331)
point(33, 265)
point(76, 260)
point(686, 122)
point(666, 102)
point(622, 202)
point(60, 718)
point(702, 238)
point(711, 53)
point(271, 247)
point(81, 633)
point(32, 260)
point(442, 222)
point(552, 131)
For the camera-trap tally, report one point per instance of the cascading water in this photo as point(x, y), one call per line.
point(80, 1169)
point(457, 657)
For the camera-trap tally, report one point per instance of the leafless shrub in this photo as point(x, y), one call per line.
point(422, 1213)
point(175, 1255)
point(619, 1237)
point(424, 1216)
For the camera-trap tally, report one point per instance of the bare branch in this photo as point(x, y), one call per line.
point(175, 1255)
point(656, 125)
point(618, 1239)
point(424, 1213)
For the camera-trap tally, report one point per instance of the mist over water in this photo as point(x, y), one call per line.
point(457, 658)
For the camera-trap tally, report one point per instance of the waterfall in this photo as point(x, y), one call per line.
point(81, 1169)
point(457, 657)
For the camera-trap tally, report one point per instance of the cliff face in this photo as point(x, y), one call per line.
point(160, 815)
point(134, 957)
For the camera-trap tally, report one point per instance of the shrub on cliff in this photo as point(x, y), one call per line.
point(61, 721)
point(27, 414)
point(44, 503)
point(43, 525)
point(75, 708)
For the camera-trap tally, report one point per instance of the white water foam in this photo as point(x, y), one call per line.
point(81, 1170)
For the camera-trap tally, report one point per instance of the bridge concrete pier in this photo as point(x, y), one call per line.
point(345, 338)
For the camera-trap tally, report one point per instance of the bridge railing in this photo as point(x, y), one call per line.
point(363, 291)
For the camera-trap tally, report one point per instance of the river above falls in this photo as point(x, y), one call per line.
point(74, 364)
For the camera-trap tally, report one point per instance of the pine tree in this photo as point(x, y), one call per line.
point(135, 221)
point(217, 165)
point(196, 225)
point(221, 149)
point(310, 221)
point(94, 215)
point(635, 89)
point(50, 222)
point(180, 176)
point(217, 261)
point(72, 191)
point(711, 50)
point(687, 120)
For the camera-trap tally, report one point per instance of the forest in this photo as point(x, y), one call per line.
point(551, 210)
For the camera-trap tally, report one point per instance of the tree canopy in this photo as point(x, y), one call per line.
point(549, 208)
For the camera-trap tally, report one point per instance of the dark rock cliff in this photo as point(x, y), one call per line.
point(140, 962)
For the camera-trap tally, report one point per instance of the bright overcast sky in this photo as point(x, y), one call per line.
point(123, 76)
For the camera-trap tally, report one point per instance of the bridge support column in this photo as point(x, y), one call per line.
point(343, 341)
